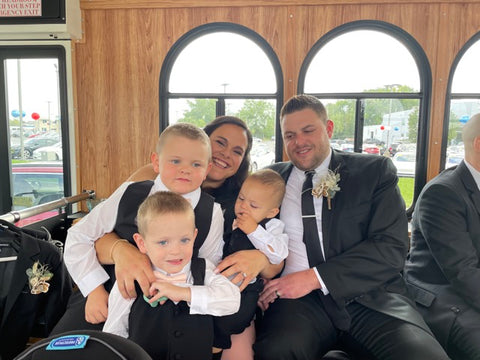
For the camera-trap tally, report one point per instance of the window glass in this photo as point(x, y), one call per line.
point(359, 61)
point(376, 85)
point(240, 80)
point(464, 103)
point(222, 62)
point(34, 132)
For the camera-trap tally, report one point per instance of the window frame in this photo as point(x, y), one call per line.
point(423, 95)
point(185, 40)
point(34, 50)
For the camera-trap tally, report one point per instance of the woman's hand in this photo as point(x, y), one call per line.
point(246, 265)
point(131, 265)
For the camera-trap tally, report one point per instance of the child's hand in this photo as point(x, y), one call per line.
point(96, 307)
point(246, 223)
point(160, 289)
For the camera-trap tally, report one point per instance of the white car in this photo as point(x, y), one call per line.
point(405, 163)
point(261, 157)
point(53, 152)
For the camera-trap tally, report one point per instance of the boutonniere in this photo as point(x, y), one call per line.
point(38, 277)
point(326, 186)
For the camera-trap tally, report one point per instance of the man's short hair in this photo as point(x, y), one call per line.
point(160, 203)
point(186, 130)
point(301, 102)
point(470, 131)
point(272, 179)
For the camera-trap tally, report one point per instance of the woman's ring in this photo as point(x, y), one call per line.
point(244, 275)
point(277, 293)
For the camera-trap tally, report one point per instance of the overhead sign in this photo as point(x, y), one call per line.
point(20, 8)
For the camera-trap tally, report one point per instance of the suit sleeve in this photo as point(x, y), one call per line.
point(368, 233)
point(442, 215)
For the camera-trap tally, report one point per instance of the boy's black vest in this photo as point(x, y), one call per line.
point(237, 240)
point(168, 331)
point(126, 225)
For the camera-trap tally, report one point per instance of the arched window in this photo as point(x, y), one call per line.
point(463, 102)
point(224, 69)
point(373, 79)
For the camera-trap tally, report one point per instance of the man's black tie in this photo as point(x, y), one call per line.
point(310, 230)
point(338, 315)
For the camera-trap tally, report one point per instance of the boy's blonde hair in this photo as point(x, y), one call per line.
point(272, 179)
point(185, 130)
point(159, 203)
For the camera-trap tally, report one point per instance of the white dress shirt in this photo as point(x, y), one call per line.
point(81, 257)
point(291, 215)
point(271, 240)
point(217, 297)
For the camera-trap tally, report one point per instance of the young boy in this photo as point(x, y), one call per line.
point(182, 159)
point(187, 289)
point(256, 227)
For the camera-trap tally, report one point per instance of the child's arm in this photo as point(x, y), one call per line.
point(212, 248)
point(96, 307)
point(272, 241)
point(118, 314)
point(164, 289)
point(80, 255)
point(218, 297)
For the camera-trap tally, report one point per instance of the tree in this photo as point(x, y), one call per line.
point(259, 116)
point(342, 113)
point(201, 112)
point(413, 125)
point(454, 129)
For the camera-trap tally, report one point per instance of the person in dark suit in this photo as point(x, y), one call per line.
point(443, 269)
point(341, 283)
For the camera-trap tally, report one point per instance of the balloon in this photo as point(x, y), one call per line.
point(35, 116)
point(16, 113)
point(382, 127)
point(396, 128)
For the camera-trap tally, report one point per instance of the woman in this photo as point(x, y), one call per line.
point(231, 142)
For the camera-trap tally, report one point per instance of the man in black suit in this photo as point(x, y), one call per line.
point(443, 270)
point(356, 295)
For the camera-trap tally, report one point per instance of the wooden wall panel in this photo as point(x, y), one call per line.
point(118, 63)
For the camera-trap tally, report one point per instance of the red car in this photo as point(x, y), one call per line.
point(371, 149)
point(36, 184)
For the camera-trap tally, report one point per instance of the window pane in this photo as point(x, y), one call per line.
point(222, 62)
point(359, 61)
point(391, 128)
point(34, 132)
point(342, 113)
point(467, 76)
point(194, 111)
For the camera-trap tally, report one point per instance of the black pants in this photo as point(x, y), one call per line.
point(74, 317)
point(300, 329)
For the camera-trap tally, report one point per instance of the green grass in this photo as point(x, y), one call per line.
point(406, 185)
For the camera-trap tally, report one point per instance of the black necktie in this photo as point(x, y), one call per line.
point(310, 230)
point(338, 315)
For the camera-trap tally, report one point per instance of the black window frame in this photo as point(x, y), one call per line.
point(186, 39)
point(423, 95)
point(32, 52)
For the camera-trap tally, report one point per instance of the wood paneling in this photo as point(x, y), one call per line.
point(118, 63)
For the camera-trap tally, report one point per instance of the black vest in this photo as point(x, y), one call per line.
point(168, 331)
point(237, 240)
point(126, 224)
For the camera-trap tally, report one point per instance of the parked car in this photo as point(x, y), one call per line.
point(30, 145)
point(53, 152)
point(36, 184)
point(260, 157)
point(371, 149)
point(453, 159)
point(405, 163)
point(346, 147)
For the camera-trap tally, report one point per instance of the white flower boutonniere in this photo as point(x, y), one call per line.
point(327, 186)
point(38, 277)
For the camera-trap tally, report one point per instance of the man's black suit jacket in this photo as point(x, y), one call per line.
point(443, 270)
point(365, 236)
point(24, 312)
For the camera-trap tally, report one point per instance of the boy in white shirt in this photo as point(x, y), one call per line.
point(173, 321)
point(182, 159)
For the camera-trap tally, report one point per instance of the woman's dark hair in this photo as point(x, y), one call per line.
point(244, 167)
